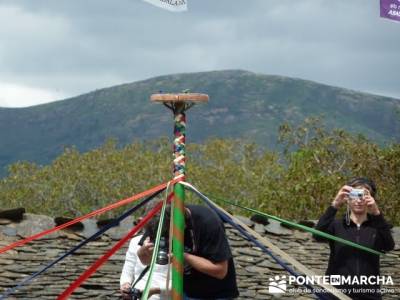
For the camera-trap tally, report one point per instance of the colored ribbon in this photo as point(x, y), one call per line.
point(80, 245)
point(146, 290)
point(97, 264)
point(306, 228)
point(179, 143)
point(94, 213)
point(229, 219)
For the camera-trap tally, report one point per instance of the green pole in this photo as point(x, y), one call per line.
point(179, 103)
point(179, 202)
point(178, 242)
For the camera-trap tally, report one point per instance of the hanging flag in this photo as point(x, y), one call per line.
point(171, 5)
point(390, 9)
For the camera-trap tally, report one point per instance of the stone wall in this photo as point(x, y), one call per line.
point(254, 268)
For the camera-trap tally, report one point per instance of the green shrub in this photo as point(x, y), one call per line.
point(297, 183)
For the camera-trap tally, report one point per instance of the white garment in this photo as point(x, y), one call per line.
point(133, 267)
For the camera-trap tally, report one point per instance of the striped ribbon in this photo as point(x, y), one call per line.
point(179, 145)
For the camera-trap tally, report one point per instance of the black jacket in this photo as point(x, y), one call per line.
point(348, 261)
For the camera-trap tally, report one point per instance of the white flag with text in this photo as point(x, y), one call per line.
point(171, 5)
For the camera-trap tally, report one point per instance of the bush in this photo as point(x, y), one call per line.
point(298, 182)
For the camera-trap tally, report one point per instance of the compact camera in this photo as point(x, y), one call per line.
point(356, 194)
point(135, 294)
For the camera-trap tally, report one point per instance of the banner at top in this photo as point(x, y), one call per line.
point(171, 5)
point(390, 9)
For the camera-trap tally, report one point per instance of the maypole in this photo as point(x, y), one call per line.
point(179, 104)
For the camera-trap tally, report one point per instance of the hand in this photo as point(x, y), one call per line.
point(154, 291)
point(125, 290)
point(371, 204)
point(146, 251)
point(341, 196)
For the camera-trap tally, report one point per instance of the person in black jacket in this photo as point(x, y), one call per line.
point(363, 224)
point(209, 267)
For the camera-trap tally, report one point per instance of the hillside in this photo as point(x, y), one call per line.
point(243, 104)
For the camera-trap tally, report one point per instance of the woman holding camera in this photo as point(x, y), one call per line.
point(363, 224)
point(134, 275)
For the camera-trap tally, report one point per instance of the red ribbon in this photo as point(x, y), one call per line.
point(96, 212)
point(114, 249)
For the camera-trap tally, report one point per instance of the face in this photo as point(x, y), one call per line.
point(358, 205)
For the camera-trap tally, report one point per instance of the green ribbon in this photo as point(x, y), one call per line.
point(305, 228)
point(145, 294)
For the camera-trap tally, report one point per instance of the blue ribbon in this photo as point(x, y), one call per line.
point(80, 245)
point(249, 237)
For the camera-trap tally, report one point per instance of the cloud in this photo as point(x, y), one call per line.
point(78, 46)
point(13, 95)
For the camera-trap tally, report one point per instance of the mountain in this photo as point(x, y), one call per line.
point(242, 104)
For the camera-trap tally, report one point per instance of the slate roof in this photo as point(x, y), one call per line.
point(254, 269)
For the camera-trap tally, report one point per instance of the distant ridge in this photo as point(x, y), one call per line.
point(242, 104)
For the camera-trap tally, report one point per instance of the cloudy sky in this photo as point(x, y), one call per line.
point(54, 49)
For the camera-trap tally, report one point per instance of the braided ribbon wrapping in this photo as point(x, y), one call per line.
point(179, 145)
